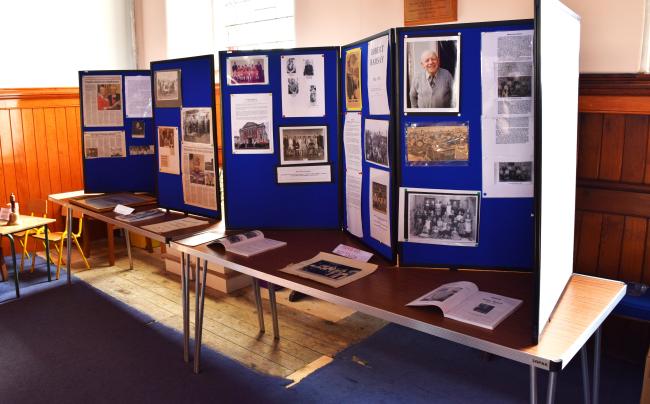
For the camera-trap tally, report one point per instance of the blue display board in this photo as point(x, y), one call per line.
point(133, 172)
point(256, 195)
point(185, 87)
point(506, 228)
point(361, 50)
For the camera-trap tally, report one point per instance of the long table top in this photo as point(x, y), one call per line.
point(585, 304)
point(66, 201)
point(25, 223)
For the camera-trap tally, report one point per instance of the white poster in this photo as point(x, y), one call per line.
point(507, 80)
point(303, 85)
point(137, 92)
point(353, 202)
point(102, 101)
point(104, 144)
point(304, 174)
point(251, 118)
point(352, 141)
point(199, 177)
point(168, 151)
point(378, 54)
point(379, 205)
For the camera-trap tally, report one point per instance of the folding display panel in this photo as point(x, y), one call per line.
point(450, 215)
point(117, 131)
point(369, 141)
point(185, 130)
point(281, 145)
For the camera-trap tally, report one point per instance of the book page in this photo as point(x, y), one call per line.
point(255, 246)
point(447, 296)
point(240, 238)
point(484, 309)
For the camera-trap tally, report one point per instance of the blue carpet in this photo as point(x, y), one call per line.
point(399, 365)
point(29, 282)
point(77, 345)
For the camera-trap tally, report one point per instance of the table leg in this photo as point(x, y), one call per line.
point(258, 303)
point(13, 257)
point(47, 253)
point(198, 318)
point(186, 311)
point(68, 244)
point(4, 274)
point(585, 373)
point(128, 247)
point(111, 243)
point(596, 385)
point(552, 381)
point(274, 311)
point(533, 384)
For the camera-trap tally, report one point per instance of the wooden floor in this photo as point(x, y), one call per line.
point(312, 331)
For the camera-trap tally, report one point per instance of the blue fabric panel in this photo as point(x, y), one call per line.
point(197, 90)
point(506, 228)
point(253, 197)
point(387, 252)
point(130, 174)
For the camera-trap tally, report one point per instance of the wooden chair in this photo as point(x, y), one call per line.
point(33, 207)
point(58, 238)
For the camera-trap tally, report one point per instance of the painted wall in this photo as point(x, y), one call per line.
point(611, 33)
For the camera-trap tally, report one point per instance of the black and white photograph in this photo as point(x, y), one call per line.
point(142, 150)
point(312, 94)
point(483, 308)
point(196, 124)
point(441, 217)
point(521, 171)
point(137, 129)
point(293, 86)
point(248, 70)
point(331, 269)
point(436, 144)
point(197, 168)
point(379, 197)
point(511, 87)
point(308, 70)
point(432, 74)
point(168, 88)
point(441, 294)
point(303, 145)
point(291, 65)
point(376, 142)
point(253, 136)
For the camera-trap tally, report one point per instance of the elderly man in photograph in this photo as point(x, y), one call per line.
point(432, 87)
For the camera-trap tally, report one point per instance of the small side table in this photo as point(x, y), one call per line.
point(26, 223)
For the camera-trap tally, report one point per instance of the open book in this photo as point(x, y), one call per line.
point(247, 244)
point(463, 301)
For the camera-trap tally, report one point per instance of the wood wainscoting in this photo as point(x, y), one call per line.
point(613, 194)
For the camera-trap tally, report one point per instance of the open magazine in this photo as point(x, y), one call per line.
point(462, 301)
point(247, 244)
point(140, 216)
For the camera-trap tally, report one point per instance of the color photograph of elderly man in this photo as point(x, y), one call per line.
point(431, 74)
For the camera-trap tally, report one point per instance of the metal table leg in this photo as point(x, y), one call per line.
point(198, 311)
point(47, 253)
point(68, 243)
point(596, 385)
point(552, 381)
point(274, 311)
point(533, 384)
point(128, 247)
point(258, 302)
point(585, 373)
point(13, 257)
point(185, 258)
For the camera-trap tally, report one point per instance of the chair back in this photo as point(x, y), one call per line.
point(75, 215)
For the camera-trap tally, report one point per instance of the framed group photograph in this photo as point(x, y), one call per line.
point(247, 70)
point(515, 171)
point(196, 124)
point(447, 217)
point(437, 144)
point(303, 145)
point(376, 142)
point(432, 74)
point(168, 88)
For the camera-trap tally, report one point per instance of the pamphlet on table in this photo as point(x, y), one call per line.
point(463, 301)
point(140, 216)
point(330, 269)
point(247, 244)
